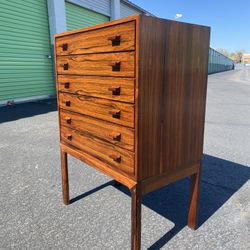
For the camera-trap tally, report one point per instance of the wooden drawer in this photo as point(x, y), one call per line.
point(121, 159)
point(113, 88)
point(112, 111)
point(108, 64)
point(114, 38)
point(109, 132)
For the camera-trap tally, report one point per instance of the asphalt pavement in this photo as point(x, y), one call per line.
point(33, 216)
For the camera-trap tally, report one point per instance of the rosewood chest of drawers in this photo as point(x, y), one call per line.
point(131, 100)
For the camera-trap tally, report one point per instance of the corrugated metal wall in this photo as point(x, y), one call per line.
point(79, 17)
point(100, 6)
point(25, 69)
point(218, 62)
point(127, 10)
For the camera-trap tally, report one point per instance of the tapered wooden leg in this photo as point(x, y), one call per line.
point(65, 180)
point(136, 217)
point(194, 200)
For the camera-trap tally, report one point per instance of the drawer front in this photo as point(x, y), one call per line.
point(111, 64)
point(112, 111)
point(114, 38)
point(109, 132)
point(113, 88)
point(120, 159)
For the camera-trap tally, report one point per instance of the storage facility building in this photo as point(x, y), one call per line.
point(27, 29)
point(26, 33)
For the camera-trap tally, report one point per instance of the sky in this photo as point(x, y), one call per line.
point(229, 19)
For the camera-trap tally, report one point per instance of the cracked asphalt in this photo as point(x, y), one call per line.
point(32, 214)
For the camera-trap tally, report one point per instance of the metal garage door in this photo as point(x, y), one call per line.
point(25, 69)
point(79, 17)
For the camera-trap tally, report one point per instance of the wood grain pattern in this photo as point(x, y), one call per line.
point(161, 180)
point(184, 95)
point(194, 199)
point(120, 159)
point(136, 197)
point(151, 78)
point(97, 64)
point(157, 116)
point(65, 178)
point(102, 87)
point(100, 165)
point(95, 41)
point(109, 132)
point(172, 110)
point(137, 71)
point(99, 108)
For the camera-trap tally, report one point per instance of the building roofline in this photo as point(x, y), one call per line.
point(222, 54)
point(137, 7)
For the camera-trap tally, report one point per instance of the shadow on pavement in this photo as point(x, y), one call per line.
point(220, 180)
point(23, 110)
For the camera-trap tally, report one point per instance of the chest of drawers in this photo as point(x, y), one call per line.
point(131, 101)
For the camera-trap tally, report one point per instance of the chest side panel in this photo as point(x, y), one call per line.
point(184, 95)
point(173, 59)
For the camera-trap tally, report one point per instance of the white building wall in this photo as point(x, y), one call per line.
point(100, 6)
point(127, 10)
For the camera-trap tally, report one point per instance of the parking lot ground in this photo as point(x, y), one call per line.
point(33, 216)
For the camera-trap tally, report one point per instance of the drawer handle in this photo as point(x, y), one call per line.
point(116, 40)
point(66, 85)
point(80, 92)
point(116, 66)
point(64, 46)
point(67, 103)
point(115, 114)
point(115, 90)
point(65, 66)
point(83, 98)
point(116, 158)
point(116, 137)
point(69, 137)
point(68, 120)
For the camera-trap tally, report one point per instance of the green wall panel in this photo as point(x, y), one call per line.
point(79, 17)
point(25, 70)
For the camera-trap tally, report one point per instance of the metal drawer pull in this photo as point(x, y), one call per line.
point(115, 114)
point(116, 66)
point(115, 90)
point(116, 40)
point(68, 120)
point(67, 103)
point(64, 46)
point(116, 158)
point(66, 85)
point(69, 137)
point(65, 66)
point(116, 137)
